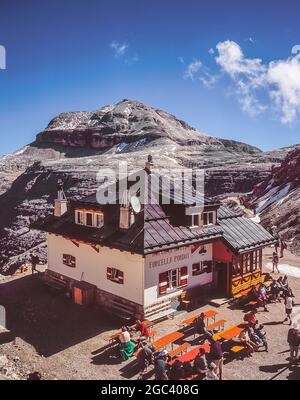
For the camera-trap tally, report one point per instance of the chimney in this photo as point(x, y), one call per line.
point(126, 215)
point(61, 202)
point(149, 164)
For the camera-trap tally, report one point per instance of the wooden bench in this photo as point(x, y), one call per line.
point(230, 332)
point(191, 355)
point(239, 350)
point(166, 340)
point(217, 324)
point(207, 314)
point(179, 350)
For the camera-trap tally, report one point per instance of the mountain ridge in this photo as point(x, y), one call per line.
point(127, 131)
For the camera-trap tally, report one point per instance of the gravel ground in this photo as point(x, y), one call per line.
point(49, 334)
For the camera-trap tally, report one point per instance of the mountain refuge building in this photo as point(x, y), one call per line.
point(135, 258)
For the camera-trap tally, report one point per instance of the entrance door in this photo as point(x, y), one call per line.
point(221, 277)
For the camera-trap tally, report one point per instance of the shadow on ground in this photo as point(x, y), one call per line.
point(46, 319)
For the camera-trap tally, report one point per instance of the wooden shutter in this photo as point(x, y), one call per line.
point(163, 282)
point(183, 276)
point(109, 273)
point(121, 277)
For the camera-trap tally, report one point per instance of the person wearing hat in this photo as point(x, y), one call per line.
point(160, 366)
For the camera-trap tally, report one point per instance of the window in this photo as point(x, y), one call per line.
point(246, 263)
point(98, 222)
point(196, 269)
point(173, 279)
point(208, 218)
point(257, 255)
point(89, 219)
point(69, 261)
point(201, 268)
point(207, 266)
point(195, 220)
point(115, 275)
point(79, 215)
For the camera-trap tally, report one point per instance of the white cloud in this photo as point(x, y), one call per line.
point(197, 71)
point(211, 51)
point(192, 69)
point(208, 80)
point(119, 48)
point(232, 60)
point(279, 80)
point(181, 60)
point(284, 78)
point(258, 86)
point(121, 51)
point(248, 75)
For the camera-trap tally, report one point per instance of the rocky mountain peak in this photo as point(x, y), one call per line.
point(124, 122)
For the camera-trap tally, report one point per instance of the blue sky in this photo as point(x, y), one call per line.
point(226, 68)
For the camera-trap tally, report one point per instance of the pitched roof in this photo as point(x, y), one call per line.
point(243, 234)
point(153, 230)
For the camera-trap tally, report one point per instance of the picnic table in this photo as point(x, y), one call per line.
point(207, 314)
point(230, 332)
point(191, 355)
point(115, 336)
point(166, 340)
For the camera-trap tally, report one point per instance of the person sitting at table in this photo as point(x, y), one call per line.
point(262, 296)
point(144, 333)
point(252, 295)
point(176, 371)
point(245, 339)
point(200, 363)
point(145, 357)
point(260, 332)
point(126, 345)
point(200, 327)
point(161, 366)
point(250, 317)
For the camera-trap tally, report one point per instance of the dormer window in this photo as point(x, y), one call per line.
point(98, 220)
point(89, 218)
point(79, 217)
point(209, 218)
point(195, 220)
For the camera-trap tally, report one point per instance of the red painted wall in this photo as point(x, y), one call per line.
point(221, 252)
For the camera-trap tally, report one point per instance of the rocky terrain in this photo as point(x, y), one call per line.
point(276, 200)
point(76, 146)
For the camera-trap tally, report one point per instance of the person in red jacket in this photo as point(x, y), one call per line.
point(142, 328)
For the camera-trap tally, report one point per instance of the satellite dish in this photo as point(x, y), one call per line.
point(135, 204)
